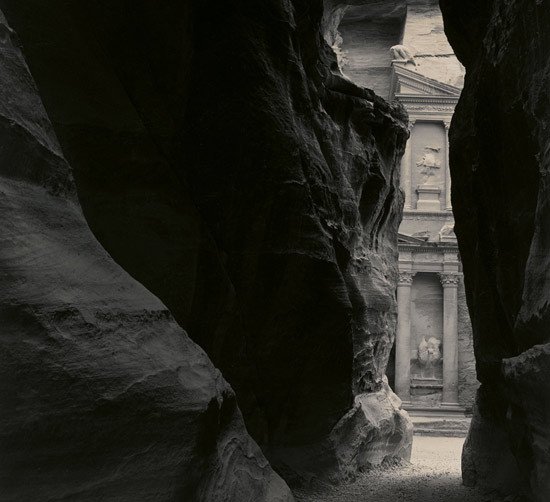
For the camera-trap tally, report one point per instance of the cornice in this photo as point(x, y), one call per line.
point(443, 98)
point(423, 215)
point(427, 99)
point(435, 247)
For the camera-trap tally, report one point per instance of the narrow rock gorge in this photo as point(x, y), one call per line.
point(224, 163)
point(500, 157)
point(199, 247)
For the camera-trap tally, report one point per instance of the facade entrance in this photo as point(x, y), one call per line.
point(410, 60)
point(434, 363)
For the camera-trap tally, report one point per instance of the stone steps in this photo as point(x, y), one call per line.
point(437, 423)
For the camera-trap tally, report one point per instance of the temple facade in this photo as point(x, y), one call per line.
point(433, 363)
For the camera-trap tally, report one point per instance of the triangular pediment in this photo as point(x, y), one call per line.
point(409, 82)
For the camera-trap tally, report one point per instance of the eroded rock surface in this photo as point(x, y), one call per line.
point(104, 397)
point(222, 160)
point(365, 35)
point(500, 157)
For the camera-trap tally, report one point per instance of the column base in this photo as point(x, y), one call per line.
point(451, 404)
point(448, 411)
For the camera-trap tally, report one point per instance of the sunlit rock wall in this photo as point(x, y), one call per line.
point(222, 160)
point(368, 30)
point(103, 396)
point(424, 35)
point(366, 34)
point(500, 157)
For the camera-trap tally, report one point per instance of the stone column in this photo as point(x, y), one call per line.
point(406, 171)
point(403, 339)
point(450, 281)
point(447, 169)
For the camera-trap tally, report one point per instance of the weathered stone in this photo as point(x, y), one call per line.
point(225, 163)
point(528, 379)
point(375, 430)
point(366, 34)
point(500, 153)
point(424, 34)
point(467, 381)
point(103, 395)
point(367, 31)
point(487, 460)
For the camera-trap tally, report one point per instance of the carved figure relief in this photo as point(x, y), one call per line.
point(429, 355)
point(429, 163)
point(447, 232)
point(402, 53)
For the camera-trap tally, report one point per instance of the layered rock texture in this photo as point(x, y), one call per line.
point(367, 31)
point(500, 158)
point(104, 397)
point(221, 160)
point(365, 35)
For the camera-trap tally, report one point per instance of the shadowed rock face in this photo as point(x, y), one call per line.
point(104, 397)
point(224, 163)
point(500, 157)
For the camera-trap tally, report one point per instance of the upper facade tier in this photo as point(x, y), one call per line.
point(367, 33)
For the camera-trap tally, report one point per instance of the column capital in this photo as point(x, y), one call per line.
point(411, 124)
point(449, 279)
point(447, 125)
point(405, 278)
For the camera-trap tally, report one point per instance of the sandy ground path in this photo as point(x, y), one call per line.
point(433, 476)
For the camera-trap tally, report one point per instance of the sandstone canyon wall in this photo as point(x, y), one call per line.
point(500, 158)
point(104, 397)
point(222, 161)
point(365, 35)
